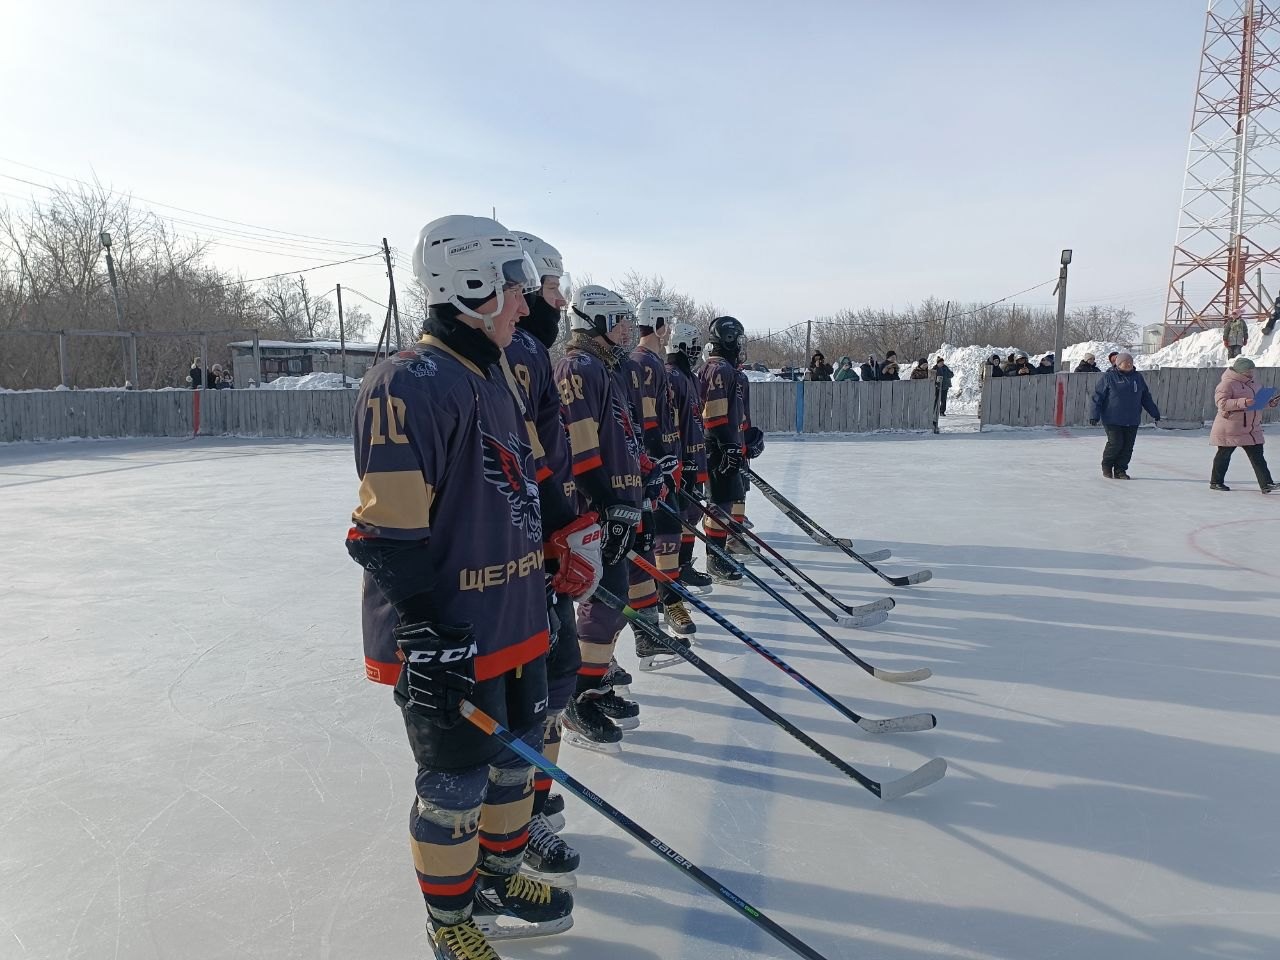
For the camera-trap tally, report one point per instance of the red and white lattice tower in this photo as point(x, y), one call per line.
point(1229, 222)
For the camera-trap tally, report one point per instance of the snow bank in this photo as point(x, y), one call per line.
point(311, 381)
point(759, 376)
point(1205, 349)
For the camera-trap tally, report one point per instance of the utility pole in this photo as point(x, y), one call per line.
point(1065, 261)
point(342, 336)
point(306, 306)
point(105, 239)
point(808, 342)
point(391, 279)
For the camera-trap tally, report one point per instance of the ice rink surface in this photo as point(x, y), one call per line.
point(193, 767)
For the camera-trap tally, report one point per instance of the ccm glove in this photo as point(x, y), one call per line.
point(753, 440)
point(439, 668)
point(576, 551)
point(729, 461)
point(620, 522)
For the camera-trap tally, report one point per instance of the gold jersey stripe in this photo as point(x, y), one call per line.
point(584, 436)
point(396, 500)
point(715, 408)
point(446, 860)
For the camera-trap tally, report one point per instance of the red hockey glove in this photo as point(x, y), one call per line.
point(576, 550)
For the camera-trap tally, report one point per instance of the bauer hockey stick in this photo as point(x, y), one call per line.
point(805, 522)
point(491, 726)
point(909, 724)
point(868, 616)
point(892, 676)
point(889, 790)
point(738, 530)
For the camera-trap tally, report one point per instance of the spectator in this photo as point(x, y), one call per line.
point(195, 376)
point(993, 368)
point(869, 370)
point(1021, 367)
point(218, 378)
point(1086, 365)
point(889, 369)
point(1235, 334)
point(921, 370)
point(942, 377)
point(1118, 401)
point(1010, 364)
point(1238, 426)
point(1046, 364)
point(819, 369)
point(1111, 358)
point(845, 371)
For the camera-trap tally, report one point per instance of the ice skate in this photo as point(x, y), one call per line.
point(618, 678)
point(695, 581)
point(510, 906)
point(656, 656)
point(548, 858)
point(676, 616)
point(586, 726)
point(459, 941)
point(722, 571)
point(624, 713)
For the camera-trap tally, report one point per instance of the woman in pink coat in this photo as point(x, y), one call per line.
point(1237, 426)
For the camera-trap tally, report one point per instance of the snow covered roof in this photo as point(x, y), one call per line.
point(325, 346)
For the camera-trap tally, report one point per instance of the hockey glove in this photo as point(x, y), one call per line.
point(689, 478)
point(655, 481)
point(729, 460)
point(645, 534)
point(439, 668)
point(753, 440)
point(576, 551)
point(619, 531)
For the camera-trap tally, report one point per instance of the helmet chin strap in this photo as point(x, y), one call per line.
point(485, 318)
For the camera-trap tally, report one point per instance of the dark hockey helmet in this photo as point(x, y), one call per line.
point(725, 335)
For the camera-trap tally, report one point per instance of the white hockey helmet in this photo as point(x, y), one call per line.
point(549, 264)
point(706, 351)
point(684, 338)
point(654, 313)
point(598, 310)
point(464, 261)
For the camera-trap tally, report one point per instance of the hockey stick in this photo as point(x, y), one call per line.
point(491, 726)
point(803, 521)
point(738, 530)
point(867, 616)
point(892, 676)
point(909, 724)
point(889, 790)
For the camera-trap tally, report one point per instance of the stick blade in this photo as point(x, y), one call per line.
point(887, 603)
point(902, 676)
point(858, 621)
point(931, 772)
point(910, 724)
point(921, 576)
point(877, 556)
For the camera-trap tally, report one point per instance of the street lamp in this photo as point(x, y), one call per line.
point(1064, 261)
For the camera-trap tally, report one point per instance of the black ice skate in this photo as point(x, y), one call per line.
point(695, 581)
point(722, 571)
point(553, 810)
point(547, 857)
point(657, 656)
point(740, 551)
point(618, 678)
point(624, 713)
point(586, 726)
point(676, 616)
point(509, 906)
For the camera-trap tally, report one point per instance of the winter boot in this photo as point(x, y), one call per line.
point(1106, 472)
point(677, 618)
point(656, 656)
point(514, 905)
point(695, 581)
point(624, 713)
point(586, 726)
point(547, 857)
point(722, 571)
point(1223, 487)
point(1118, 474)
point(459, 941)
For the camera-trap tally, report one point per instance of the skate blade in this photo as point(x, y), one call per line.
point(497, 927)
point(699, 591)
point(586, 743)
point(726, 582)
point(659, 662)
point(555, 821)
point(622, 689)
point(561, 881)
point(687, 634)
point(626, 723)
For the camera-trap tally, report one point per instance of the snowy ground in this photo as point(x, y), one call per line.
point(192, 766)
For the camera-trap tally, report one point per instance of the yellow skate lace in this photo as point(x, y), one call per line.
point(678, 613)
point(535, 891)
point(465, 941)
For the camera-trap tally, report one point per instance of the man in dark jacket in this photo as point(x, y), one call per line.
point(993, 367)
point(1045, 365)
point(890, 360)
point(942, 377)
point(1010, 364)
point(1118, 401)
point(819, 369)
point(1086, 365)
point(869, 370)
point(1021, 367)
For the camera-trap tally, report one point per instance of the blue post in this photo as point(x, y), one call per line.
point(799, 406)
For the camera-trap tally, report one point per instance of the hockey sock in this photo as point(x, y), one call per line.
point(443, 834)
point(504, 818)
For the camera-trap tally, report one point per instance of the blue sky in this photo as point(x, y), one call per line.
point(782, 160)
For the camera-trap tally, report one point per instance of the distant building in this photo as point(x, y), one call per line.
point(282, 358)
point(1152, 334)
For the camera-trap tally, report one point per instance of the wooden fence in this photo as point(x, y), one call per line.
point(1182, 394)
point(848, 407)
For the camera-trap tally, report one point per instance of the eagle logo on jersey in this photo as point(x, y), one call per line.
point(628, 428)
point(502, 470)
point(423, 366)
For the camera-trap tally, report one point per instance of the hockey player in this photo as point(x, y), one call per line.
point(449, 530)
point(722, 419)
point(752, 447)
point(662, 443)
point(528, 355)
point(605, 451)
point(682, 351)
